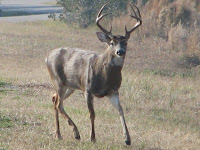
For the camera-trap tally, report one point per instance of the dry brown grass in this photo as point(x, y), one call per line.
point(160, 15)
point(177, 37)
point(162, 111)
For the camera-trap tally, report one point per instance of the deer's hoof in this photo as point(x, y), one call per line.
point(128, 142)
point(93, 140)
point(58, 137)
point(78, 137)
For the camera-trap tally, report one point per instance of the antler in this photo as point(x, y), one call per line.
point(99, 17)
point(139, 22)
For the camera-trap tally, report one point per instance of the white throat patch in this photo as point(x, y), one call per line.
point(117, 61)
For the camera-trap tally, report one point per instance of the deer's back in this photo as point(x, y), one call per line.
point(69, 66)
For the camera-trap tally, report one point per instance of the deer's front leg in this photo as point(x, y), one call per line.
point(114, 98)
point(89, 99)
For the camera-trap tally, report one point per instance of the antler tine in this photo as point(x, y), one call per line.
point(100, 11)
point(138, 11)
point(139, 22)
point(98, 19)
point(133, 11)
point(136, 17)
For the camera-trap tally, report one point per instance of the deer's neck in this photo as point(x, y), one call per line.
point(108, 64)
point(110, 60)
point(106, 75)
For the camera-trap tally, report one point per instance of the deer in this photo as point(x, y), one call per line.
point(95, 74)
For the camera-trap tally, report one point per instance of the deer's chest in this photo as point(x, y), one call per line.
point(102, 84)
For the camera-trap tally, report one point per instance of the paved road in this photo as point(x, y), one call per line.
point(26, 2)
point(39, 9)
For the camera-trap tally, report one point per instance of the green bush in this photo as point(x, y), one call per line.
point(83, 12)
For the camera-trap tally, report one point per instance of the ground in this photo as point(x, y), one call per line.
point(162, 111)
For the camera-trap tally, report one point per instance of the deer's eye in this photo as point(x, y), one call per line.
point(112, 43)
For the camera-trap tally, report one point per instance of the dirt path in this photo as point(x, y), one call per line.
point(38, 9)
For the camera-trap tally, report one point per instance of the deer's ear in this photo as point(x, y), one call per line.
point(103, 37)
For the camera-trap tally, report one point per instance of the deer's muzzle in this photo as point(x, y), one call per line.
point(120, 52)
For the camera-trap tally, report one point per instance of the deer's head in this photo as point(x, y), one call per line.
point(117, 44)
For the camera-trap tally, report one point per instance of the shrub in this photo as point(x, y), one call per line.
point(160, 15)
point(177, 37)
point(83, 12)
point(193, 42)
point(180, 14)
point(187, 61)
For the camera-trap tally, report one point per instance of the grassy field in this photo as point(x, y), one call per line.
point(160, 101)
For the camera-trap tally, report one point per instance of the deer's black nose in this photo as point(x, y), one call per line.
point(121, 52)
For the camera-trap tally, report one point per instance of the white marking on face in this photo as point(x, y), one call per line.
point(118, 61)
point(116, 53)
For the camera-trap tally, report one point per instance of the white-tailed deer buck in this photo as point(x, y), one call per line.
point(95, 74)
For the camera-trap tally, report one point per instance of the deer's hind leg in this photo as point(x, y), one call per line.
point(55, 101)
point(62, 95)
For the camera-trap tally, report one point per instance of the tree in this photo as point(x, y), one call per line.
point(83, 12)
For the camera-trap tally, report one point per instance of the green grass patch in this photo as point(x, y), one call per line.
point(8, 14)
point(4, 147)
point(41, 117)
point(2, 84)
point(17, 97)
point(5, 122)
point(3, 92)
